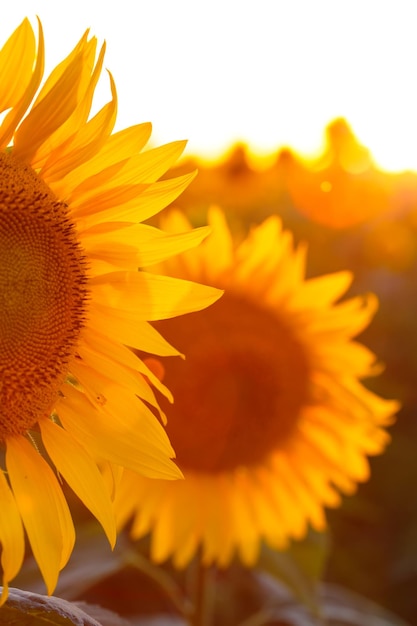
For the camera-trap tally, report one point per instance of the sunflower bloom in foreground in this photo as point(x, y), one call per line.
point(270, 422)
point(72, 197)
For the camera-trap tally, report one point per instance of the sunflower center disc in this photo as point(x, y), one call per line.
point(238, 394)
point(42, 296)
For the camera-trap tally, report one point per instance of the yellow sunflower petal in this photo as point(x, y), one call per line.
point(112, 475)
point(65, 180)
point(142, 337)
point(154, 297)
point(16, 60)
point(139, 245)
point(126, 205)
point(123, 432)
point(85, 143)
point(126, 330)
point(270, 420)
point(50, 112)
point(146, 520)
point(281, 495)
point(100, 344)
point(18, 94)
point(218, 539)
point(11, 537)
point(119, 147)
point(246, 536)
point(81, 473)
point(143, 168)
point(323, 290)
point(348, 318)
point(163, 540)
point(84, 47)
point(42, 507)
point(51, 150)
point(111, 370)
point(219, 245)
point(348, 357)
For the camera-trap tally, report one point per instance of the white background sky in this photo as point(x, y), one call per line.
point(271, 72)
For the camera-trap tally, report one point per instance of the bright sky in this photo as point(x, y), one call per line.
point(270, 72)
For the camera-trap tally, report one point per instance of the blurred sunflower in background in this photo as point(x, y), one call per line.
point(342, 187)
point(270, 420)
point(71, 297)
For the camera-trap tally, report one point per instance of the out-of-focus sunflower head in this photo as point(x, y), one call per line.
point(270, 421)
point(73, 301)
point(342, 187)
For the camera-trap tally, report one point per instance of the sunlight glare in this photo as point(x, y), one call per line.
point(268, 73)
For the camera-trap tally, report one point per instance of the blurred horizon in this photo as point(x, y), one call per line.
point(270, 74)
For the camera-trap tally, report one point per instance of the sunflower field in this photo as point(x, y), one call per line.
point(207, 381)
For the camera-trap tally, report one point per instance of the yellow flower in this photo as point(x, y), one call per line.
point(270, 421)
point(342, 187)
point(71, 297)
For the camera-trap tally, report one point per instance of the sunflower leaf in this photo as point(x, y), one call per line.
point(338, 607)
point(158, 620)
point(91, 562)
point(104, 616)
point(342, 607)
point(32, 609)
point(299, 568)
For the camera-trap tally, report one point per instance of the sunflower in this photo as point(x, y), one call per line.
point(270, 421)
point(72, 196)
point(342, 187)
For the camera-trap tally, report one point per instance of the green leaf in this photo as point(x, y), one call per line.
point(102, 615)
point(24, 608)
point(299, 568)
point(92, 560)
point(342, 607)
point(311, 554)
point(338, 607)
point(159, 620)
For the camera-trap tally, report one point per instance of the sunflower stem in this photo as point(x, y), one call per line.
point(164, 581)
point(202, 597)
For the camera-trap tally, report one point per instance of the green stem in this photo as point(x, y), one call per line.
point(166, 583)
point(200, 614)
point(260, 618)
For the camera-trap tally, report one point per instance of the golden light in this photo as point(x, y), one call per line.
point(271, 74)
